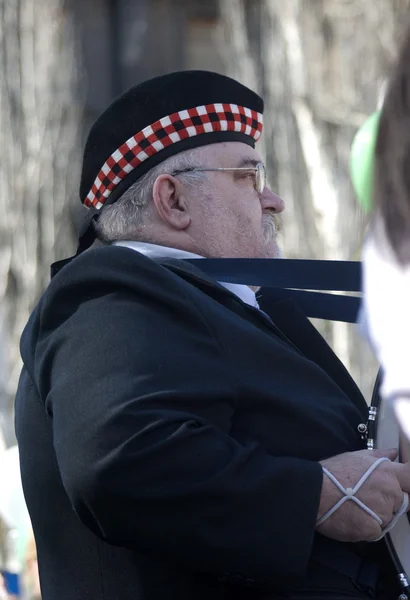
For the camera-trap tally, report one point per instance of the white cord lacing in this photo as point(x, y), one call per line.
point(349, 494)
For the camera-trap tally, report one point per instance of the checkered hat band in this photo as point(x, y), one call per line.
point(165, 132)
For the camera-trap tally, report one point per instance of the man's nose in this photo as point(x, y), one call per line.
point(271, 201)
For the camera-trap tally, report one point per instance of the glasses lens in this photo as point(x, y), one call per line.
point(260, 178)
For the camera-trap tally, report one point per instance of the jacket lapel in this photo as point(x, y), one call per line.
point(284, 319)
point(225, 297)
point(297, 327)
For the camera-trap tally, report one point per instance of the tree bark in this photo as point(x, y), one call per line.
point(40, 125)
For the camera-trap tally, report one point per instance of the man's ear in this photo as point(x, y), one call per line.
point(170, 202)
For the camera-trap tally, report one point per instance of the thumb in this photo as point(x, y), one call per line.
point(390, 453)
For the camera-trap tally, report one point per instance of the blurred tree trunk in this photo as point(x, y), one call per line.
point(320, 66)
point(40, 123)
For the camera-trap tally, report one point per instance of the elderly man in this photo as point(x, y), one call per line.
point(175, 441)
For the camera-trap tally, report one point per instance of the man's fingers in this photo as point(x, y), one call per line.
point(390, 453)
point(382, 492)
point(402, 473)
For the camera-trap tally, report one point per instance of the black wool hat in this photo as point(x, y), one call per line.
point(161, 117)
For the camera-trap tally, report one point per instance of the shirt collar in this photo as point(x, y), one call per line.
point(155, 251)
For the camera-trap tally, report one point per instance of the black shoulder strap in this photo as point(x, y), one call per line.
point(303, 281)
point(330, 275)
point(300, 280)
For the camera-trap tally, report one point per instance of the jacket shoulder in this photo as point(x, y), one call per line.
point(98, 278)
point(99, 262)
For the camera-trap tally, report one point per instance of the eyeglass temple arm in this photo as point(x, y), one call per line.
point(227, 169)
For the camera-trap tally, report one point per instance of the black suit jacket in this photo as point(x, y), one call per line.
point(170, 434)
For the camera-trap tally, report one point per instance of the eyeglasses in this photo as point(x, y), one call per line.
point(259, 169)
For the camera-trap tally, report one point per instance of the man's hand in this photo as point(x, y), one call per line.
point(382, 492)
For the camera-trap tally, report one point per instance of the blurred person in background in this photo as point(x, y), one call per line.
point(386, 255)
point(30, 575)
point(175, 441)
point(3, 593)
point(2, 560)
point(16, 536)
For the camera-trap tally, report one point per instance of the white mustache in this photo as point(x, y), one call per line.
point(270, 226)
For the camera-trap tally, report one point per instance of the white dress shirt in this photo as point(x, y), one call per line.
point(155, 251)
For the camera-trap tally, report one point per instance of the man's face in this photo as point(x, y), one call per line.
point(229, 218)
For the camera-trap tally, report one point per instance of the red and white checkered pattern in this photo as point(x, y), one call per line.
point(166, 131)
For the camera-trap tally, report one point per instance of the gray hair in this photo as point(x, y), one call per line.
point(124, 220)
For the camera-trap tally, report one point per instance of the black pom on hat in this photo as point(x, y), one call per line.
point(161, 117)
